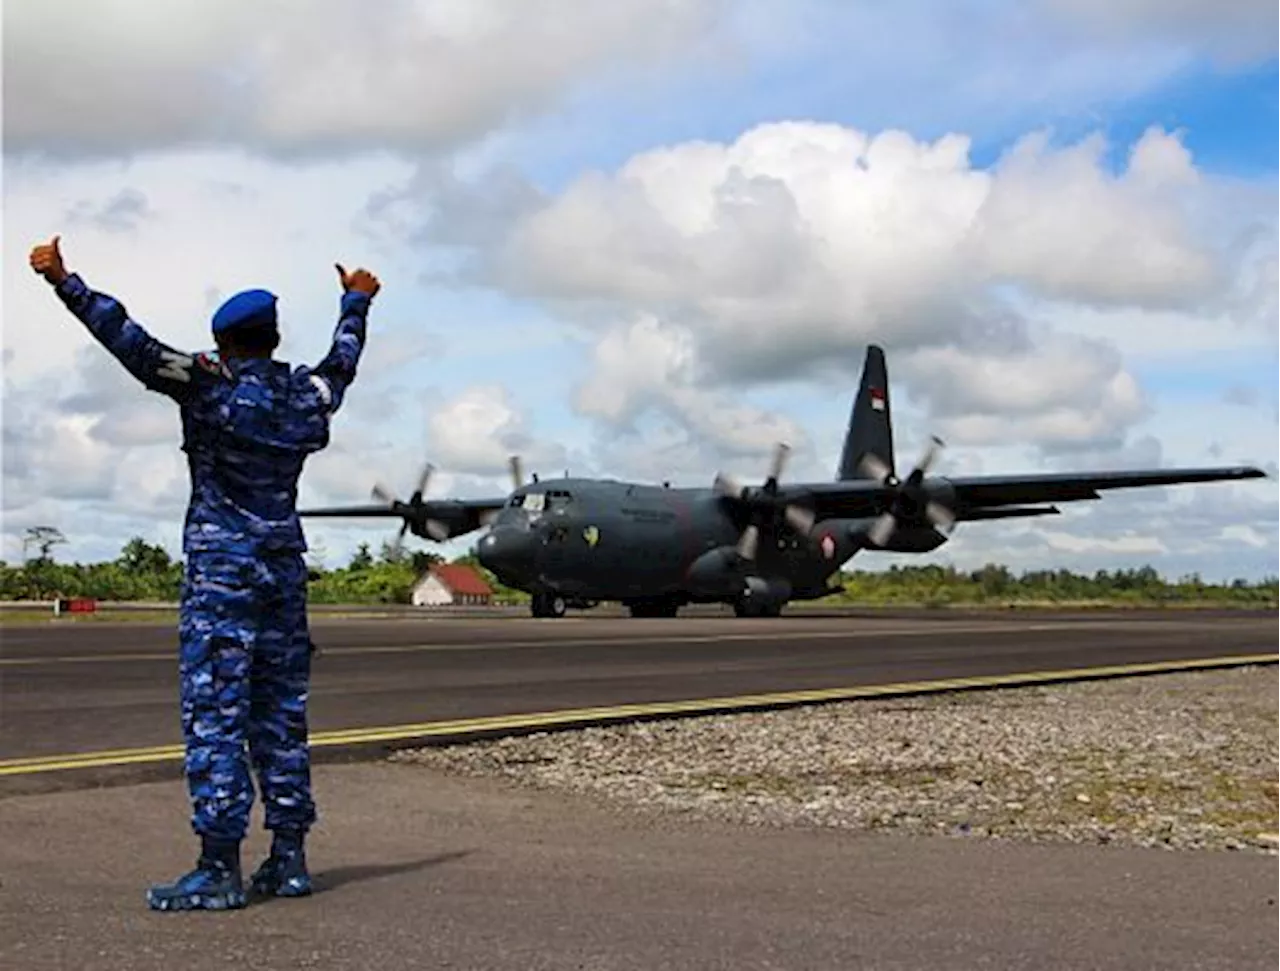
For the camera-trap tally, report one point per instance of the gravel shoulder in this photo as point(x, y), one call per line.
point(1181, 761)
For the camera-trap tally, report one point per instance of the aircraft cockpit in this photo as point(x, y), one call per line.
point(536, 503)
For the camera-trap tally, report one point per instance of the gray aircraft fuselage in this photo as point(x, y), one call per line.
point(589, 540)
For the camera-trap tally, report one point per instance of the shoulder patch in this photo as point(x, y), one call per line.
point(209, 363)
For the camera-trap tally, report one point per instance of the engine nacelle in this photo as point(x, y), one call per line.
point(772, 590)
point(911, 539)
point(716, 573)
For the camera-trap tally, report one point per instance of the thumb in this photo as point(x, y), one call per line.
point(342, 274)
point(54, 243)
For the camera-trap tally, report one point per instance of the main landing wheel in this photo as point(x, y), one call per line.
point(661, 607)
point(547, 605)
point(746, 607)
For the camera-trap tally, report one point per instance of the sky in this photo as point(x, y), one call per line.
point(650, 238)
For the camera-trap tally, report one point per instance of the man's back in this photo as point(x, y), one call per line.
point(247, 430)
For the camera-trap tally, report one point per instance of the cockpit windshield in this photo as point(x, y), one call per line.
point(537, 502)
point(558, 498)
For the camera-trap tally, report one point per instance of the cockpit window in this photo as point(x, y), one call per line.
point(533, 502)
point(537, 502)
point(558, 498)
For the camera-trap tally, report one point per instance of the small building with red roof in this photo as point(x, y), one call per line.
point(451, 584)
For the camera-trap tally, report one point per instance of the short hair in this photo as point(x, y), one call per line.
point(255, 340)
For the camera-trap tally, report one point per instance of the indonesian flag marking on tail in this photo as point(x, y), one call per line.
point(877, 399)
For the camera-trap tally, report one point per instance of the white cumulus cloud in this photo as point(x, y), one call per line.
point(312, 76)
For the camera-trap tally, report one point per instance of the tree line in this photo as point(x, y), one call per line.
point(146, 572)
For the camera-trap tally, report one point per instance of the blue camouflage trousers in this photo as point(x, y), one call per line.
point(245, 669)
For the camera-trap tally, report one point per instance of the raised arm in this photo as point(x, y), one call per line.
point(338, 368)
point(158, 366)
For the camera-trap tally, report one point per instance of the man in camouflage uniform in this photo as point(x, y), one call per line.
point(248, 424)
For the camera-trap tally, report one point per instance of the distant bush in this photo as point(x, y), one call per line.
point(144, 572)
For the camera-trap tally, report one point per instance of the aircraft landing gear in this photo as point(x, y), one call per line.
point(751, 607)
point(547, 605)
point(658, 607)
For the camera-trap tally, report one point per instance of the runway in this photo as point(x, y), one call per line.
point(98, 687)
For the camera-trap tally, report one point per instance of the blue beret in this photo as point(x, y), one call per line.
point(249, 308)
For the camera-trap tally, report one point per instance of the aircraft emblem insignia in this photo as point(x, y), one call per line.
point(591, 535)
point(828, 546)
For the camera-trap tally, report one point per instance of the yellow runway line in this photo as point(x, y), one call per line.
point(568, 718)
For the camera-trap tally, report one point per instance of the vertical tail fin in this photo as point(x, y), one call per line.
point(870, 426)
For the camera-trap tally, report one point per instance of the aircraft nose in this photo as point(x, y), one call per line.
point(507, 552)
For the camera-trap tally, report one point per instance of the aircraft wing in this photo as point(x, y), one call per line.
point(476, 506)
point(1004, 490)
point(456, 516)
point(376, 509)
point(977, 497)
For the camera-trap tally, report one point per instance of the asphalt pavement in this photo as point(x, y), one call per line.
point(419, 870)
point(90, 687)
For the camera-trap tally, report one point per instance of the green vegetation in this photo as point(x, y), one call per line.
point(996, 585)
point(143, 572)
point(146, 573)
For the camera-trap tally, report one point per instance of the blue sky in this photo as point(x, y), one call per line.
point(1152, 326)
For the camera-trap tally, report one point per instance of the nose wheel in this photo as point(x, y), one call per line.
point(547, 605)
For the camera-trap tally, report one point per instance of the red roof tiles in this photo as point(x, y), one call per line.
point(462, 579)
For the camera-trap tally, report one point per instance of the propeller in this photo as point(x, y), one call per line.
point(764, 502)
point(412, 510)
point(517, 480)
point(911, 497)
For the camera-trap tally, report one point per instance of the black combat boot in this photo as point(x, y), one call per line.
point(214, 884)
point(284, 872)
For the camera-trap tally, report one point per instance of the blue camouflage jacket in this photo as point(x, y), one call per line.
point(247, 425)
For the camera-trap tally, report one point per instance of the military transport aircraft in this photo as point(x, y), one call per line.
point(576, 542)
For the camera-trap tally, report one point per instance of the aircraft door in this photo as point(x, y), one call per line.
point(563, 541)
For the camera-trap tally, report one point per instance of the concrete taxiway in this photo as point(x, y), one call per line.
point(419, 870)
point(104, 696)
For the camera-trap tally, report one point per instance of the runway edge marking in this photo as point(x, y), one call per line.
point(464, 729)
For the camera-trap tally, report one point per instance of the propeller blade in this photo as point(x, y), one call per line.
point(424, 479)
point(383, 494)
point(799, 519)
point(727, 485)
point(882, 529)
point(927, 460)
point(941, 517)
point(517, 472)
point(748, 542)
point(872, 466)
point(780, 454)
point(397, 544)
